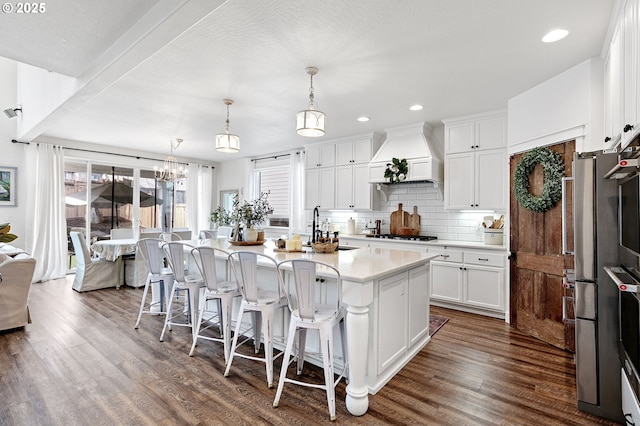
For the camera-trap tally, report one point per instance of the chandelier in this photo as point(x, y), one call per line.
point(310, 122)
point(171, 170)
point(227, 142)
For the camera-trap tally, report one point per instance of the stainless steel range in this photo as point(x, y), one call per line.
point(406, 237)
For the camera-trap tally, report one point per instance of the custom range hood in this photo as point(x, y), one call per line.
point(416, 144)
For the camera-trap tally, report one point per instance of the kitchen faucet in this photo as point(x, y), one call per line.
point(316, 213)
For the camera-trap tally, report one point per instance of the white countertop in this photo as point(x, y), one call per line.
point(438, 243)
point(360, 265)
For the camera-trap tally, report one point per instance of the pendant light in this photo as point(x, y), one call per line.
point(227, 142)
point(171, 169)
point(310, 122)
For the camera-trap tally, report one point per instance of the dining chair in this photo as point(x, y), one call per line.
point(121, 233)
point(221, 292)
point(182, 283)
point(308, 311)
point(91, 273)
point(262, 303)
point(158, 277)
point(208, 234)
point(225, 231)
point(170, 236)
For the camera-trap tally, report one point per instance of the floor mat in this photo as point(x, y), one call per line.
point(435, 323)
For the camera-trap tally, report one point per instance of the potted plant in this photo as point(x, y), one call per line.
point(5, 236)
point(220, 217)
point(251, 214)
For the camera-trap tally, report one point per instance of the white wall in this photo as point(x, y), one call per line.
point(567, 106)
point(232, 175)
point(12, 154)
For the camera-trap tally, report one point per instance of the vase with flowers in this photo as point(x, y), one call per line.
point(251, 214)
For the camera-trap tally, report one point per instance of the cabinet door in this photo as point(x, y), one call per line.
point(392, 321)
point(484, 287)
point(460, 137)
point(361, 187)
point(362, 151)
point(312, 189)
point(344, 187)
point(344, 153)
point(491, 179)
point(491, 133)
point(446, 281)
point(629, 70)
point(459, 181)
point(320, 156)
point(326, 188)
point(418, 303)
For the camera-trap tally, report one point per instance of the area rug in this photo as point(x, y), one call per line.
point(435, 323)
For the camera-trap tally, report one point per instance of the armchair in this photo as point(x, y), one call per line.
point(15, 282)
point(91, 274)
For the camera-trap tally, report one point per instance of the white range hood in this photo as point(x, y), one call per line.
point(416, 144)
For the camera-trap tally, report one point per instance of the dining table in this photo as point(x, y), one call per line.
point(114, 250)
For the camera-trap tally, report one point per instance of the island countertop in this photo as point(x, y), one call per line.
point(360, 265)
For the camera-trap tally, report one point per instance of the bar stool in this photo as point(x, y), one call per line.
point(261, 303)
point(308, 313)
point(151, 251)
point(191, 284)
point(221, 292)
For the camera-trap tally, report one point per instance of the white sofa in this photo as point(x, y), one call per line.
point(16, 274)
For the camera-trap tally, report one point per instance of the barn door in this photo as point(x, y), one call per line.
point(537, 262)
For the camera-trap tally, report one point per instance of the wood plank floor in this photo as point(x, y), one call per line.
point(82, 363)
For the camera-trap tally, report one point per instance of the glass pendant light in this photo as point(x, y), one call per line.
point(227, 142)
point(310, 121)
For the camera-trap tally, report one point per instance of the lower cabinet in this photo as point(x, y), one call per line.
point(403, 320)
point(469, 280)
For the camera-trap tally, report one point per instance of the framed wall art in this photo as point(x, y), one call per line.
point(8, 188)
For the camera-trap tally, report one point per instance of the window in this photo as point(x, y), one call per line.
point(276, 181)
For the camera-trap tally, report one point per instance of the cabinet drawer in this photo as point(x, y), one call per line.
point(484, 258)
point(446, 254)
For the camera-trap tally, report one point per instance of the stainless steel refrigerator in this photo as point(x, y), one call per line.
point(595, 206)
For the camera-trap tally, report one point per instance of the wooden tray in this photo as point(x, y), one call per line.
point(287, 251)
point(245, 243)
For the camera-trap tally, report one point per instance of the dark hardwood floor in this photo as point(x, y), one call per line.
point(82, 363)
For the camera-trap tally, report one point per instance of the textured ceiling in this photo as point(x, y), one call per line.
point(376, 58)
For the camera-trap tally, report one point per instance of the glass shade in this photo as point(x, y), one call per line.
point(227, 142)
point(310, 123)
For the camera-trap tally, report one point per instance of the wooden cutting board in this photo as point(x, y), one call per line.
point(399, 219)
point(414, 221)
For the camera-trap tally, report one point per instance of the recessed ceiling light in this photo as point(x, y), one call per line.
point(555, 35)
point(363, 118)
point(416, 107)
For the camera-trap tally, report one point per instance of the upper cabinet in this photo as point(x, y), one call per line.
point(475, 134)
point(341, 181)
point(475, 162)
point(622, 79)
point(320, 155)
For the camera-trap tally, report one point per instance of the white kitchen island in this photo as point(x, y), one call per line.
point(386, 294)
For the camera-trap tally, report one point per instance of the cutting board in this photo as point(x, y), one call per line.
point(399, 219)
point(414, 221)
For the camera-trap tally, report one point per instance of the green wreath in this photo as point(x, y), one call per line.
point(552, 187)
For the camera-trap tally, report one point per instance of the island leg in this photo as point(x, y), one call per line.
point(357, 297)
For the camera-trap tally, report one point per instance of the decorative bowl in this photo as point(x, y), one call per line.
point(324, 247)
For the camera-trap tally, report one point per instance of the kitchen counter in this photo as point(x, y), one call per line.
point(386, 294)
point(355, 239)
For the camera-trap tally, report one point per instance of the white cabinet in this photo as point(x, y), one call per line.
point(622, 79)
point(359, 150)
point(475, 164)
point(353, 190)
point(403, 321)
point(477, 132)
point(469, 280)
point(476, 180)
point(320, 155)
point(320, 188)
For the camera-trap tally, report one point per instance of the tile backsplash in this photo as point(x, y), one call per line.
point(434, 219)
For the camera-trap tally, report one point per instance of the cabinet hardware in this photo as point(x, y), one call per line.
point(628, 128)
point(607, 139)
point(485, 260)
point(444, 255)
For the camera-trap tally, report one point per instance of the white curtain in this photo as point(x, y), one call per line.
point(199, 195)
point(296, 213)
point(46, 234)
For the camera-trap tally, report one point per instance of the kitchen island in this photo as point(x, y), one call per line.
point(386, 294)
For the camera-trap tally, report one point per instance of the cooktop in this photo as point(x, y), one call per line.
point(406, 237)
